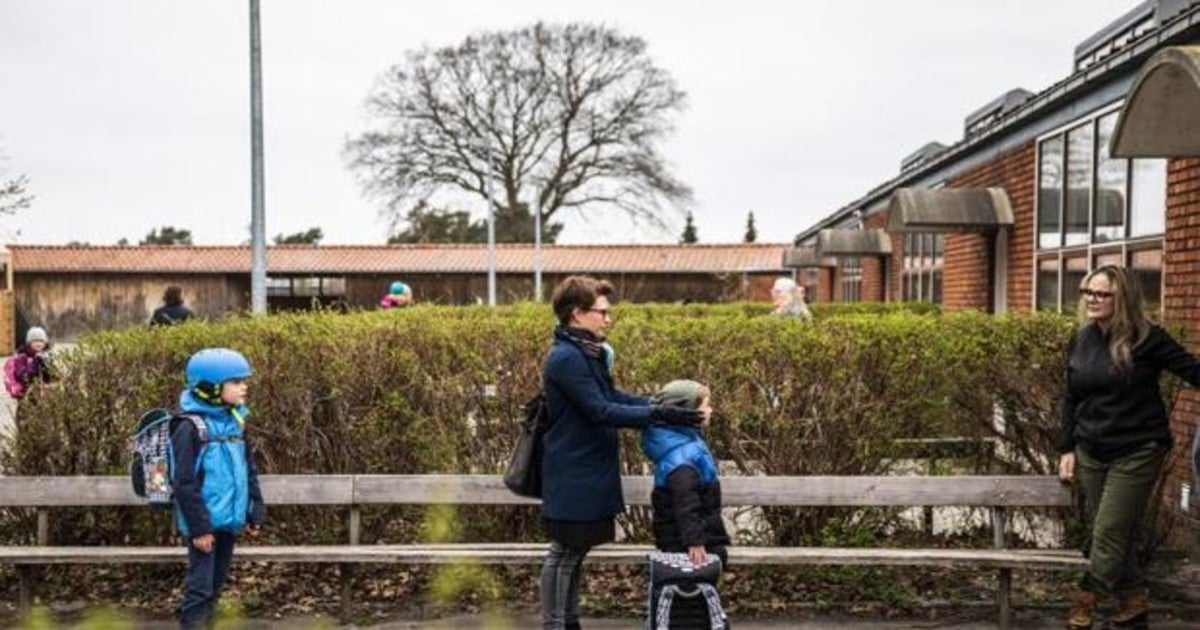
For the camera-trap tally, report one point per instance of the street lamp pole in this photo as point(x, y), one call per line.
point(258, 245)
point(491, 235)
point(537, 253)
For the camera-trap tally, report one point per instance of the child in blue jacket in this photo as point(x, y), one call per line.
point(687, 489)
point(215, 483)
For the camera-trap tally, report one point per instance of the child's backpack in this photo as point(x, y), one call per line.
point(683, 596)
point(15, 387)
point(150, 469)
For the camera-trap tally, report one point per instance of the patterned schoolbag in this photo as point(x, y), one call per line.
point(683, 596)
point(150, 468)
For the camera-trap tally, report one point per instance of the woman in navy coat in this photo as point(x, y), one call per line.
point(581, 473)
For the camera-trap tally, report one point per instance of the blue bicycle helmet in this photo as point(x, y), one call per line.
point(214, 366)
point(398, 288)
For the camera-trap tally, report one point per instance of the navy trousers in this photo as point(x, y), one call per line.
point(206, 574)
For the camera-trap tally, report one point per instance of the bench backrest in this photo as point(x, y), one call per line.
point(988, 491)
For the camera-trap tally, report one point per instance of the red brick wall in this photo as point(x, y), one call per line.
point(965, 272)
point(825, 285)
point(873, 286)
point(1016, 173)
point(1181, 305)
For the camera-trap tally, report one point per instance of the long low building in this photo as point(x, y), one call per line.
point(75, 290)
point(1103, 167)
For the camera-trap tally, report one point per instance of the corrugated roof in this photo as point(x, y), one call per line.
point(342, 259)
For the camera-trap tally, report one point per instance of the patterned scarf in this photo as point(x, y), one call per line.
point(588, 342)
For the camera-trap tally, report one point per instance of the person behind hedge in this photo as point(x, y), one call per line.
point(1115, 434)
point(215, 482)
point(581, 473)
point(32, 361)
point(172, 310)
point(399, 295)
point(788, 299)
point(687, 490)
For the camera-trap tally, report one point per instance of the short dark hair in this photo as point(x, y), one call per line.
point(173, 296)
point(578, 292)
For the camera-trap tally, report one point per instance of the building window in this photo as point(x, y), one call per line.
point(310, 286)
point(1094, 209)
point(921, 276)
point(810, 279)
point(852, 280)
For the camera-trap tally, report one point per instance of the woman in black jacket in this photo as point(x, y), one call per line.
point(1116, 434)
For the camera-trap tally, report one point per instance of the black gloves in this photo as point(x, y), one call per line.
point(675, 415)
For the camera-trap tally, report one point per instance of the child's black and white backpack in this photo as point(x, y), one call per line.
point(150, 469)
point(684, 596)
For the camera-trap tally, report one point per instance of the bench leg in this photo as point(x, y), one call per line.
point(346, 576)
point(1004, 598)
point(24, 589)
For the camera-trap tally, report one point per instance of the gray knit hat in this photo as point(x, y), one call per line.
point(37, 333)
point(681, 393)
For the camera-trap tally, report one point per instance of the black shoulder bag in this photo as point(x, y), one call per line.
point(524, 473)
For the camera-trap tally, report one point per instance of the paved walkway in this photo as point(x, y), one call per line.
point(524, 622)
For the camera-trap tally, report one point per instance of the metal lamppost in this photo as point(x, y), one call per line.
point(258, 245)
point(491, 233)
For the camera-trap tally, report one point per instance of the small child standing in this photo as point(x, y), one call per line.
point(687, 490)
point(215, 483)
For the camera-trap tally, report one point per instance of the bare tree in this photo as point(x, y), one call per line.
point(555, 117)
point(14, 193)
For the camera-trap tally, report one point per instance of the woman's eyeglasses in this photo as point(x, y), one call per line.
point(1098, 295)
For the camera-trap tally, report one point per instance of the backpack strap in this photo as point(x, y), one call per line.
point(199, 423)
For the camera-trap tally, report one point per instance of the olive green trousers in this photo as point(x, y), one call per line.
point(1115, 497)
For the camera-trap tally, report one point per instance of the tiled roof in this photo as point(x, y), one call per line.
point(307, 259)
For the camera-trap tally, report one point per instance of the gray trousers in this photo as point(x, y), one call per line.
point(561, 574)
point(1115, 496)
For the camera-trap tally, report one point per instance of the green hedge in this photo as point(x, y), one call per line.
point(438, 390)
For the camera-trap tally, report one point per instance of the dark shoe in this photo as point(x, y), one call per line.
point(573, 625)
point(1083, 611)
point(1131, 613)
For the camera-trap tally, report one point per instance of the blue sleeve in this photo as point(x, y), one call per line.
point(258, 507)
point(186, 481)
point(578, 383)
point(629, 399)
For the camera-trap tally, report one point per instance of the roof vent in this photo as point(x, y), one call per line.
point(1000, 107)
point(1121, 32)
point(922, 155)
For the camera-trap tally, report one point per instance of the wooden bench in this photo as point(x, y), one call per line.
point(353, 492)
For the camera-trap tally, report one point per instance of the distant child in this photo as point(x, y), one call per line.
point(31, 363)
point(687, 491)
point(399, 295)
point(215, 483)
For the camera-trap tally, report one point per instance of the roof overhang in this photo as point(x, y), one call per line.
point(1161, 115)
point(949, 210)
point(806, 258)
point(853, 243)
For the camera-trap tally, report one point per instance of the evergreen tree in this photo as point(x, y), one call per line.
point(751, 231)
point(689, 232)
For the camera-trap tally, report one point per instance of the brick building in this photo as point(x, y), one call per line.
point(1099, 168)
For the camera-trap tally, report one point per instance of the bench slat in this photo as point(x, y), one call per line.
point(1006, 491)
point(533, 553)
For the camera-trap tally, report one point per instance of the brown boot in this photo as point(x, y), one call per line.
point(1083, 611)
point(1131, 612)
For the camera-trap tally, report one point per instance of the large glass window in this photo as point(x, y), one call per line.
point(1148, 214)
point(1147, 265)
point(1094, 209)
point(1047, 284)
point(1112, 180)
point(851, 280)
point(924, 256)
point(1079, 184)
point(1050, 193)
point(310, 286)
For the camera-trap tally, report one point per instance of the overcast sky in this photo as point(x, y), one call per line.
point(128, 115)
